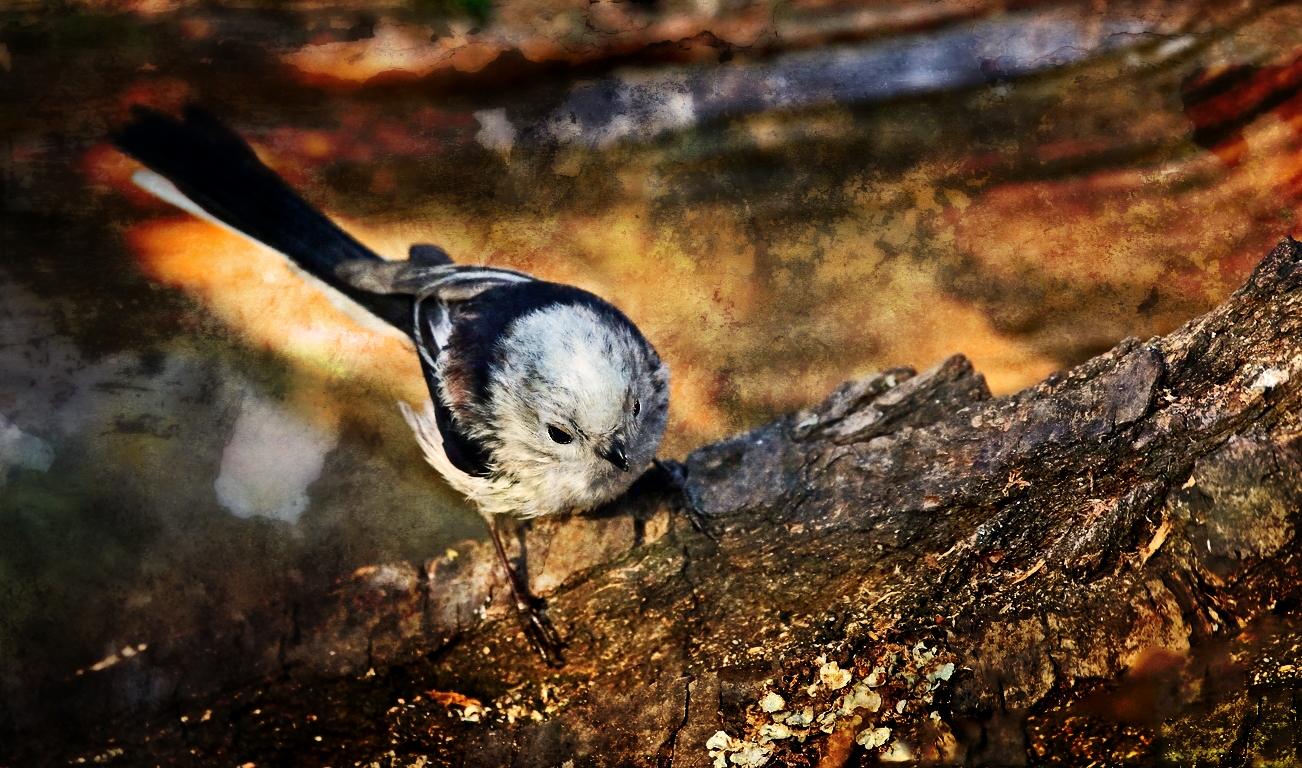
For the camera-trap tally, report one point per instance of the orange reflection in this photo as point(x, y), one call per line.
point(1193, 229)
point(251, 289)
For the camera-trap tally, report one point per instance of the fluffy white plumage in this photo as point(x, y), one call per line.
point(563, 366)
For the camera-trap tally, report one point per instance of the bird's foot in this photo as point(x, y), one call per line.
point(675, 475)
point(532, 610)
point(540, 633)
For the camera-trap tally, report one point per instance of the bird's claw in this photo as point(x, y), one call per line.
point(541, 634)
point(676, 475)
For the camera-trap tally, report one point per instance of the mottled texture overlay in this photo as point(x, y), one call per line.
point(782, 195)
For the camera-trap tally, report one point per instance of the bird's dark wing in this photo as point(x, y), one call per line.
point(447, 296)
point(217, 173)
point(466, 453)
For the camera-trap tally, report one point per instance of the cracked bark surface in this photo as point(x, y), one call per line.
point(1102, 566)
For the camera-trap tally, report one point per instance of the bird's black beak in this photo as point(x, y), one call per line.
point(615, 455)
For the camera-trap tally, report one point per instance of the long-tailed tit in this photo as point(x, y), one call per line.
point(543, 397)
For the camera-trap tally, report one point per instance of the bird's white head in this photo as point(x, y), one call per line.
point(576, 410)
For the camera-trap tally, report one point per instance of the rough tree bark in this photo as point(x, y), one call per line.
point(910, 570)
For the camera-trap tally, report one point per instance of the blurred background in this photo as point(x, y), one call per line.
point(783, 194)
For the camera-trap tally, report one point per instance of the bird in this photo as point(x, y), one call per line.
point(544, 399)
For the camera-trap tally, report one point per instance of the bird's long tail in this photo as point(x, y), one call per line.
point(202, 166)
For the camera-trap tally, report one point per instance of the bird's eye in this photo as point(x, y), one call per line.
point(637, 406)
point(559, 435)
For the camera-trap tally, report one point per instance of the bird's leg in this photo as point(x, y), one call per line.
point(675, 475)
point(537, 628)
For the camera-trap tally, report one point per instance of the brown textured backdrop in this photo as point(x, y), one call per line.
point(783, 195)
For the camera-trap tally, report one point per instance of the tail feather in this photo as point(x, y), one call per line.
point(216, 171)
